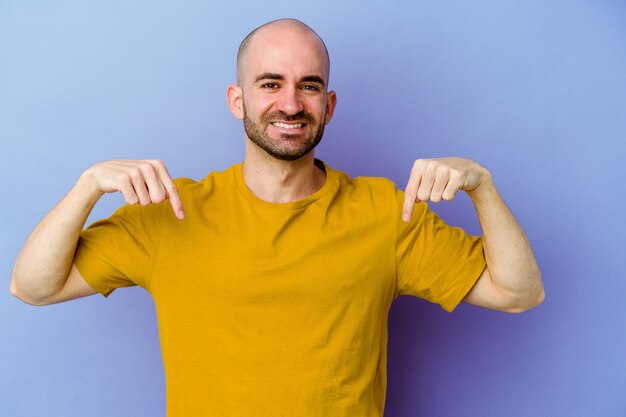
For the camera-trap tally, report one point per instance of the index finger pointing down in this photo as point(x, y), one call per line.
point(410, 194)
point(171, 191)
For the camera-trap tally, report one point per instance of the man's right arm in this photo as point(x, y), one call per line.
point(44, 272)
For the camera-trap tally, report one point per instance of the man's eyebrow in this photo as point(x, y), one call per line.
point(269, 76)
point(314, 79)
point(280, 77)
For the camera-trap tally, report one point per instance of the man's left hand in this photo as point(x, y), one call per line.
point(440, 178)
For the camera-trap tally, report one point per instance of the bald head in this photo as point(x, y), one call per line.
point(278, 28)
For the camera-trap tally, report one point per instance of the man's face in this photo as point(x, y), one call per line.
point(284, 99)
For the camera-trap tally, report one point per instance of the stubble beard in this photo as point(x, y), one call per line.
point(289, 147)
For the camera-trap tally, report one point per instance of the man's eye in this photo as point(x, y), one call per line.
point(270, 85)
point(310, 87)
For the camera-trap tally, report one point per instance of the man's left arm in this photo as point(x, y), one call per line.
point(511, 281)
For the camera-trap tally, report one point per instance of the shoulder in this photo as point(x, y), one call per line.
point(186, 186)
point(214, 179)
point(375, 194)
point(184, 183)
point(213, 190)
point(380, 190)
point(366, 186)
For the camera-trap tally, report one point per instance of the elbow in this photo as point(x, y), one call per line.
point(539, 294)
point(20, 295)
point(540, 297)
point(529, 303)
point(531, 300)
point(13, 288)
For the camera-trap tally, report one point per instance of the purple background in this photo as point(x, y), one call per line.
point(534, 90)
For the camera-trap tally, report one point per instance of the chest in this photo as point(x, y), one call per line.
point(272, 261)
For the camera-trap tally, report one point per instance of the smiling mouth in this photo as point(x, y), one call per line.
point(288, 125)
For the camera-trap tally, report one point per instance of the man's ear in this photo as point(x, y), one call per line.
point(331, 102)
point(234, 97)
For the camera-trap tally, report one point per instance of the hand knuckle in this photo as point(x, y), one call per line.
point(441, 168)
point(448, 195)
point(146, 167)
point(134, 172)
point(158, 196)
point(123, 177)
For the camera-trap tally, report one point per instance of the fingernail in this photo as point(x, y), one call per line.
point(405, 217)
point(181, 215)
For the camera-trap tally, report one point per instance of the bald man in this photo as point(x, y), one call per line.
point(273, 279)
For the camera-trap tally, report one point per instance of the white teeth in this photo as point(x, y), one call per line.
point(288, 126)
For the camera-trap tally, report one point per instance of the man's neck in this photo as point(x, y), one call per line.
point(278, 181)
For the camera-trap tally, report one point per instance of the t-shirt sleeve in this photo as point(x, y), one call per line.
point(120, 251)
point(435, 261)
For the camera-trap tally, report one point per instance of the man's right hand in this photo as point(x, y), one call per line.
point(44, 272)
point(139, 181)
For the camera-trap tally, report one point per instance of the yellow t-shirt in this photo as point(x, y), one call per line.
point(279, 309)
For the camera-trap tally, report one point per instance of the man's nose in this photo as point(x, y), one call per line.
point(290, 101)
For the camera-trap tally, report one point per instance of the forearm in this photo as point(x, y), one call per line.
point(43, 264)
point(510, 260)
